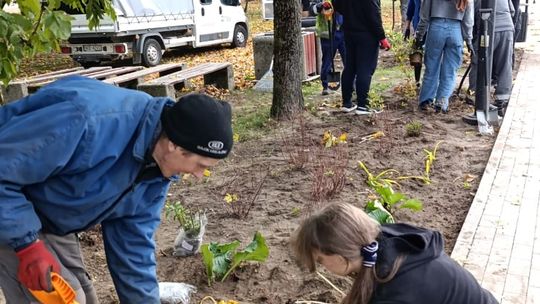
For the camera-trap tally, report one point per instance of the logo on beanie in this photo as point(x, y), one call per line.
point(215, 145)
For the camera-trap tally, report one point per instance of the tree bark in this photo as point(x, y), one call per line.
point(288, 99)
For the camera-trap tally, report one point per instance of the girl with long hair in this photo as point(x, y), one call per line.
point(447, 23)
point(391, 263)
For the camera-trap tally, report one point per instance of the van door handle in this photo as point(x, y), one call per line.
point(202, 11)
point(220, 10)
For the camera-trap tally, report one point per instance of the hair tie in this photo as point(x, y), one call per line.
point(369, 253)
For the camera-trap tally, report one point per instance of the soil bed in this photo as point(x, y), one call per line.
point(286, 197)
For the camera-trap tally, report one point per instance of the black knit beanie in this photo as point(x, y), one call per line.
point(200, 124)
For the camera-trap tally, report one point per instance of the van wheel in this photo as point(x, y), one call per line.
point(151, 54)
point(240, 36)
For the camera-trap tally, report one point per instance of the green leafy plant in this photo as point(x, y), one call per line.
point(222, 259)
point(39, 27)
point(188, 219)
point(387, 201)
point(413, 128)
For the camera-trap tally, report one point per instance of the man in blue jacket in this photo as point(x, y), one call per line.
point(79, 153)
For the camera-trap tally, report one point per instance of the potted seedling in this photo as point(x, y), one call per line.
point(192, 227)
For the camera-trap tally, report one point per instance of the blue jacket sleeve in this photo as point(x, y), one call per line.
point(37, 139)
point(130, 250)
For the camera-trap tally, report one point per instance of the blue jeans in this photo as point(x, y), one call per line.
point(328, 55)
point(442, 58)
point(360, 63)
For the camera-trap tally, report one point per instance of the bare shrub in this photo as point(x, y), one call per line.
point(328, 171)
point(240, 196)
point(295, 144)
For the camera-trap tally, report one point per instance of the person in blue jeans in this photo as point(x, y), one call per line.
point(328, 48)
point(364, 34)
point(448, 23)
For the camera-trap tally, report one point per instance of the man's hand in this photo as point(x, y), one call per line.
point(384, 44)
point(35, 266)
point(470, 48)
point(407, 34)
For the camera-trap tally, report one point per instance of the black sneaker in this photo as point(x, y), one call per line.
point(423, 106)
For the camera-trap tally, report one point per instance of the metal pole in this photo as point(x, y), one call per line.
point(483, 115)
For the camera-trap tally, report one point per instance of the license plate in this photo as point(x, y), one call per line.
point(92, 48)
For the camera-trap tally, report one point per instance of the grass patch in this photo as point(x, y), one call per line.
point(251, 116)
point(413, 128)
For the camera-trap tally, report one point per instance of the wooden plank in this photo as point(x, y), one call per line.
point(188, 73)
point(169, 67)
point(219, 74)
point(52, 73)
point(45, 79)
point(115, 72)
point(90, 73)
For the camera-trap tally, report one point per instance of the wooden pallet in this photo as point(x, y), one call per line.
point(218, 74)
point(132, 80)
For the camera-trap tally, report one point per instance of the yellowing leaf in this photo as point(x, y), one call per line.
point(236, 137)
point(230, 198)
point(207, 173)
point(342, 138)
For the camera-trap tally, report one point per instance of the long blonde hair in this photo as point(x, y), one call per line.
point(341, 229)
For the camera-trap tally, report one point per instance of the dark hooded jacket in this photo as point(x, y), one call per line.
point(361, 16)
point(428, 275)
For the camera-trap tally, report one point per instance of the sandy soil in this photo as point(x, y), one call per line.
point(286, 197)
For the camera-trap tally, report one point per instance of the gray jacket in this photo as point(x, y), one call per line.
point(446, 9)
point(504, 11)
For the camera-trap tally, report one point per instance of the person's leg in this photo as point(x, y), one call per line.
point(502, 68)
point(326, 62)
point(349, 73)
point(451, 61)
point(417, 74)
point(68, 250)
point(434, 45)
point(16, 293)
point(366, 57)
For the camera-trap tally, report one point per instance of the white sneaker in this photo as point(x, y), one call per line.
point(368, 110)
point(359, 111)
point(348, 109)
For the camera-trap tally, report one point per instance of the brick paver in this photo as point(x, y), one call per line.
point(500, 239)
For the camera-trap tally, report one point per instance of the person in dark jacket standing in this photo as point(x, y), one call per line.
point(329, 48)
point(389, 262)
point(80, 152)
point(364, 34)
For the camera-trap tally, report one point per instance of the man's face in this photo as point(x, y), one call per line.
point(175, 160)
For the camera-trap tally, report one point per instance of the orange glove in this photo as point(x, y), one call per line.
point(384, 44)
point(35, 266)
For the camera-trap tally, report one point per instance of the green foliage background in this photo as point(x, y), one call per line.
point(40, 27)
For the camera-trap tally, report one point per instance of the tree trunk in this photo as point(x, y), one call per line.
point(287, 100)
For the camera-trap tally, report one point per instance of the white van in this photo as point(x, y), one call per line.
point(144, 30)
